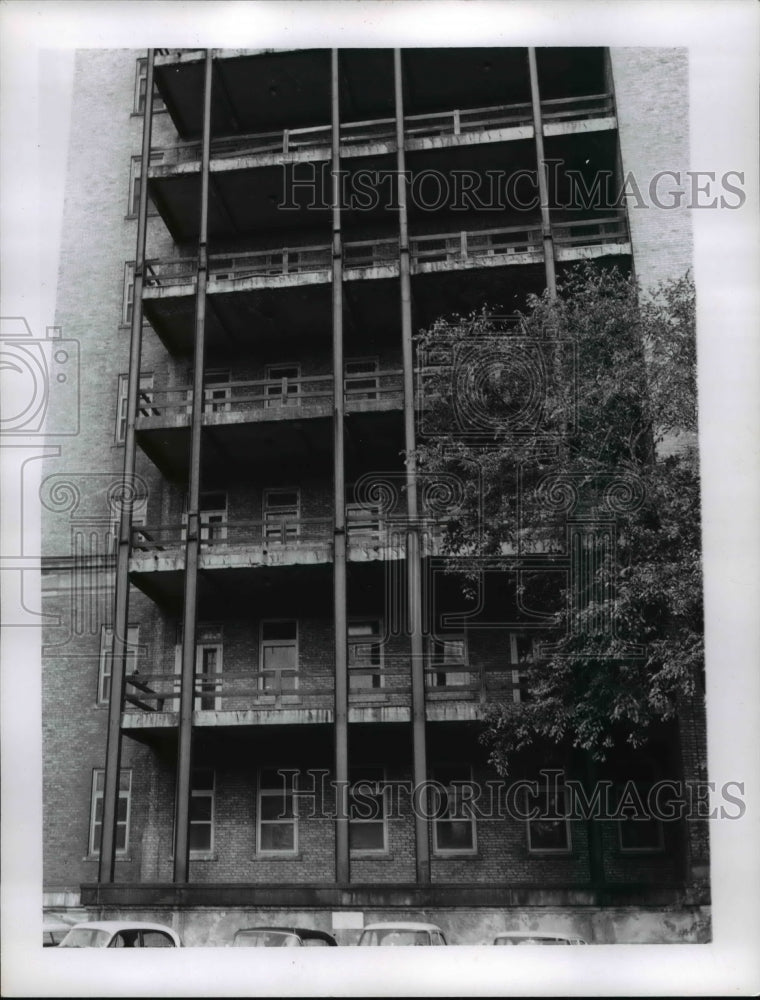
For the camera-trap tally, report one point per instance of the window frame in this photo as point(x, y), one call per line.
point(643, 784)
point(435, 678)
point(197, 794)
point(133, 193)
point(436, 820)
point(141, 90)
point(290, 525)
point(96, 795)
point(543, 790)
point(357, 775)
point(105, 660)
point(263, 791)
point(279, 644)
point(373, 639)
point(146, 387)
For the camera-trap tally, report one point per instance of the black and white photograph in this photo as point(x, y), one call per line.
point(379, 454)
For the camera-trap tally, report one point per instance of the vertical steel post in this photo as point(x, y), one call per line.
point(414, 575)
point(543, 191)
point(342, 858)
point(193, 540)
point(121, 596)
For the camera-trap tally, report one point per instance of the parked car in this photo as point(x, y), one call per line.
point(120, 934)
point(529, 937)
point(53, 932)
point(398, 933)
point(282, 937)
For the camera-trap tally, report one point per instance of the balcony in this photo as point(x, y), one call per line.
point(462, 249)
point(305, 694)
point(280, 181)
point(268, 418)
point(417, 128)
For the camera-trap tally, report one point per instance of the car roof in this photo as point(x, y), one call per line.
point(398, 925)
point(539, 934)
point(303, 932)
point(120, 925)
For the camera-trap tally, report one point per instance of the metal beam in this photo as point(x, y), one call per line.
point(342, 857)
point(192, 545)
point(543, 191)
point(121, 596)
point(414, 576)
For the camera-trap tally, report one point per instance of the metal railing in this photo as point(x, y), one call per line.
point(452, 123)
point(275, 395)
point(310, 684)
point(457, 248)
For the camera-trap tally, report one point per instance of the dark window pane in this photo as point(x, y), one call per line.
point(200, 837)
point(366, 837)
point(278, 630)
point(454, 835)
point(277, 837)
point(200, 808)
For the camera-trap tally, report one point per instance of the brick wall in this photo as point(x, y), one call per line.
point(652, 97)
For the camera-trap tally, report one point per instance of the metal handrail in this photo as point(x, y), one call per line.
point(451, 122)
point(458, 246)
point(300, 392)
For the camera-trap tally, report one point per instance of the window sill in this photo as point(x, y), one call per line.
point(277, 856)
point(437, 853)
point(96, 857)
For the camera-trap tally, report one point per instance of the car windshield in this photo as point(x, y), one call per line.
point(394, 937)
point(85, 937)
point(266, 939)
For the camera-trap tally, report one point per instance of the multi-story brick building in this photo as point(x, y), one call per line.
point(270, 576)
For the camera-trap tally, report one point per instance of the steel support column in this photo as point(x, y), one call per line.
point(543, 190)
point(342, 859)
point(193, 540)
point(121, 596)
point(414, 575)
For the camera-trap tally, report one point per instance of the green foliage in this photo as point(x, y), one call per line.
point(618, 402)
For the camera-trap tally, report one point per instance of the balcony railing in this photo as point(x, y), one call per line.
point(271, 530)
point(454, 122)
point(273, 395)
point(310, 685)
point(454, 248)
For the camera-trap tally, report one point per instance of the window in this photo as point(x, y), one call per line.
point(281, 515)
point(208, 667)
point(364, 522)
point(365, 654)
point(141, 81)
point(521, 655)
point(133, 202)
point(122, 812)
point(201, 833)
point(106, 659)
point(217, 391)
point(448, 652)
point(144, 403)
point(278, 655)
point(637, 830)
point(361, 378)
point(283, 386)
point(128, 297)
point(549, 833)
point(454, 821)
point(277, 826)
point(212, 510)
point(367, 810)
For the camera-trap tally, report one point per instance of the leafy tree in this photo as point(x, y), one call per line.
point(583, 404)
